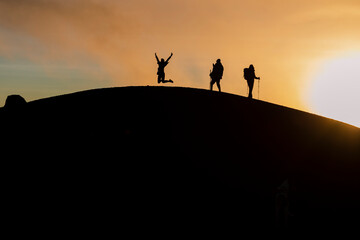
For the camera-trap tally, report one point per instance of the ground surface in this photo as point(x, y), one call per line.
point(178, 158)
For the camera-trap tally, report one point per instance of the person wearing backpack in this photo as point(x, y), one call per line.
point(216, 74)
point(249, 75)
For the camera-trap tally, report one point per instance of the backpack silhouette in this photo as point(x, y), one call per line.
point(247, 73)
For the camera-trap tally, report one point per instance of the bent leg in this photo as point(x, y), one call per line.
point(211, 85)
point(161, 77)
point(218, 85)
point(166, 81)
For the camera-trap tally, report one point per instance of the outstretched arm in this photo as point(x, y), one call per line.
point(169, 57)
point(157, 58)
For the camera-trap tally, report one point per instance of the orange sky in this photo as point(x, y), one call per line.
point(56, 46)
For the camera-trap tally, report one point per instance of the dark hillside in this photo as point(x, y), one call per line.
point(178, 157)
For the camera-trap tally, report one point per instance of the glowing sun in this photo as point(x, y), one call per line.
point(335, 89)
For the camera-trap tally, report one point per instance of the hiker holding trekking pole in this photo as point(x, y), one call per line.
point(249, 75)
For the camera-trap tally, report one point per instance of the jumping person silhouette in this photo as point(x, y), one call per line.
point(161, 69)
point(249, 75)
point(216, 74)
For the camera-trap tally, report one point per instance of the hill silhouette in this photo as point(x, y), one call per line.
point(178, 158)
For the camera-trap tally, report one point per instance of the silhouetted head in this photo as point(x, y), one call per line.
point(162, 60)
point(218, 61)
point(251, 67)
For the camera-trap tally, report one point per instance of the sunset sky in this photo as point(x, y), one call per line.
point(306, 52)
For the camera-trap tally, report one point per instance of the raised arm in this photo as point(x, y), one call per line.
point(157, 59)
point(169, 57)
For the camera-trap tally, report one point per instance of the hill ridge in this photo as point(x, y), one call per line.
point(89, 91)
point(182, 154)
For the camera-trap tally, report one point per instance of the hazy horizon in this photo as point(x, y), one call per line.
point(55, 47)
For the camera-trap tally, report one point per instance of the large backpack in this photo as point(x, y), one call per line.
point(247, 73)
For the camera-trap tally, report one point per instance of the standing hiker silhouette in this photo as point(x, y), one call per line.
point(161, 69)
point(216, 74)
point(249, 75)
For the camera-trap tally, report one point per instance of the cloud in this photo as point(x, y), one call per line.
point(65, 30)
